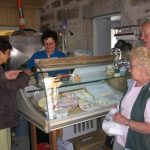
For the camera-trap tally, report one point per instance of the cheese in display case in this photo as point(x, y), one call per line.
point(57, 102)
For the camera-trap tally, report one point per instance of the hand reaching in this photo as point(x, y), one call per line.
point(28, 71)
point(10, 75)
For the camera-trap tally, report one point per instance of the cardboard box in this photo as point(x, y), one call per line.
point(91, 141)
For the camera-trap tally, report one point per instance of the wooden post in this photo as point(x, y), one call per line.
point(52, 137)
point(33, 136)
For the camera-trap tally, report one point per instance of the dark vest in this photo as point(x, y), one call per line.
point(135, 140)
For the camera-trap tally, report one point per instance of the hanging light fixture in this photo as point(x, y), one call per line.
point(21, 16)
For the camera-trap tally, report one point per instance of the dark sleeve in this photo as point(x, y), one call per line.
point(20, 82)
point(2, 77)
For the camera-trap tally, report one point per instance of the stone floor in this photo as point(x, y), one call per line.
point(20, 143)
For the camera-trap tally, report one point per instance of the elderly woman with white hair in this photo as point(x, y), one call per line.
point(134, 115)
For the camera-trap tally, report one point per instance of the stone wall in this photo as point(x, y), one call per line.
point(77, 16)
point(135, 12)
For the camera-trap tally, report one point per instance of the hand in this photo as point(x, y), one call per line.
point(119, 118)
point(114, 106)
point(10, 75)
point(28, 71)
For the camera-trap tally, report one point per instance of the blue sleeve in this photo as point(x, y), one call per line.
point(31, 63)
point(63, 54)
point(59, 53)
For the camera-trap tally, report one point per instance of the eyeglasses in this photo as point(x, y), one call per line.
point(47, 44)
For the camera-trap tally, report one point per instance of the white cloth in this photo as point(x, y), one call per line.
point(110, 127)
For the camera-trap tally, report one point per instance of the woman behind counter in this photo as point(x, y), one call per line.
point(49, 40)
point(134, 115)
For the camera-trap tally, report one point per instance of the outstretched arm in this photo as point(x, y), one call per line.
point(13, 74)
point(141, 127)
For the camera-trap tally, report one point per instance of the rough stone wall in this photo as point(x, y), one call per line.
point(79, 15)
point(104, 7)
point(76, 16)
point(135, 12)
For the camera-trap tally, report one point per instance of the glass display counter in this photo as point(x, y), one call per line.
point(52, 103)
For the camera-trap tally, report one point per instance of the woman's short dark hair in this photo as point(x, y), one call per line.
point(49, 34)
point(4, 44)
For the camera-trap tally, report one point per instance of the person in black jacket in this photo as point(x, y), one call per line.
point(8, 108)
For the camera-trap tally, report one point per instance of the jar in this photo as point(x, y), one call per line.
point(77, 78)
point(110, 70)
point(117, 72)
point(123, 71)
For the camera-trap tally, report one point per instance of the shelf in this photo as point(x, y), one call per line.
point(125, 27)
point(71, 62)
point(131, 32)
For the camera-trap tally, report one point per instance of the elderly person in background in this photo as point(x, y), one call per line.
point(134, 115)
point(49, 40)
point(145, 37)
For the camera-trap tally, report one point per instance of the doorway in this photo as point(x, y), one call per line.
point(104, 31)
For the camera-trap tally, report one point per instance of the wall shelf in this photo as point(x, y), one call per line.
point(131, 32)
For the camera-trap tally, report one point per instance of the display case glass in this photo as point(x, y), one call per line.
point(82, 94)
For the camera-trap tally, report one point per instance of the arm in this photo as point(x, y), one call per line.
point(37, 55)
point(141, 127)
point(10, 75)
point(31, 63)
point(2, 77)
point(20, 82)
